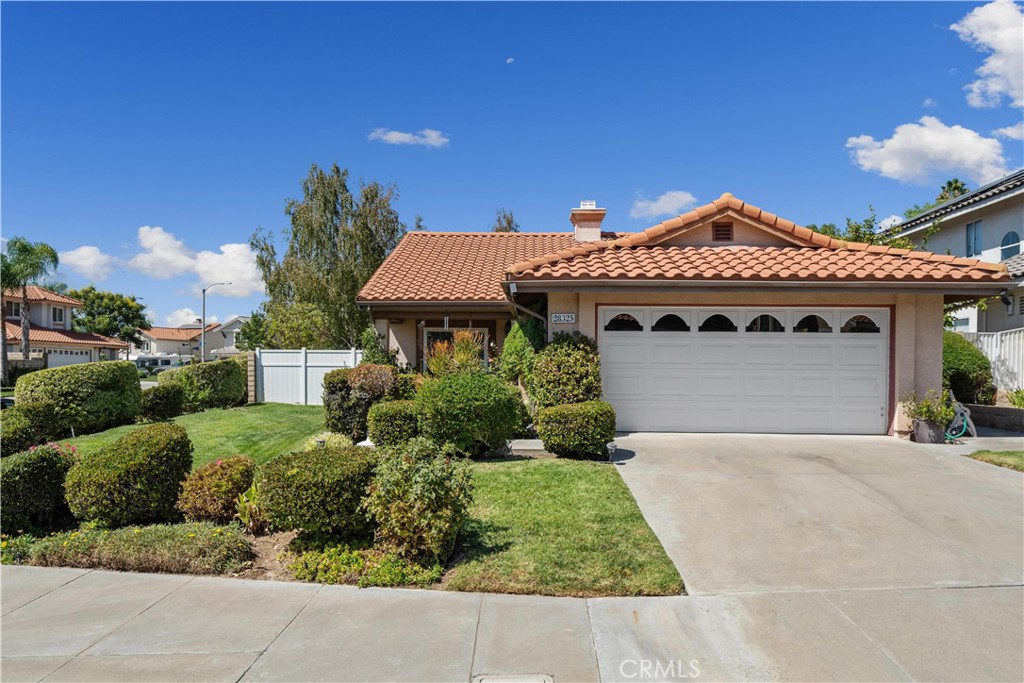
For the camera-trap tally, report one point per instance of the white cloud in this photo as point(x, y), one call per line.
point(427, 137)
point(163, 255)
point(888, 222)
point(185, 316)
point(671, 203)
point(1014, 132)
point(510, 60)
point(89, 262)
point(918, 152)
point(234, 263)
point(929, 103)
point(996, 28)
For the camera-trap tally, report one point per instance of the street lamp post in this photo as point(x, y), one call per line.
point(202, 343)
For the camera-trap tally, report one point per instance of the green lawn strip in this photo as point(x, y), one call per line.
point(1013, 460)
point(558, 527)
point(262, 431)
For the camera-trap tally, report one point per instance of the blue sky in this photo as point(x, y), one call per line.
point(147, 141)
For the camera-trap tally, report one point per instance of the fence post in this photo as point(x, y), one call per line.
point(259, 374)
point(305, 377)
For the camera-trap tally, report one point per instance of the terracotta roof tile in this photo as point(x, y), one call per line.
point(36, 293)
point(45, 335)
point(177, 333)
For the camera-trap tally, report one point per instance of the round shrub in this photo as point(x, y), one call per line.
point(393, 423)
point(568, 370)
point(88, 397)
point(135, 480)
point(217, 384)
point(577, 429)
point(517, 355)
point(318, 491)
point(473, 411)
point(210, 494)
point(162, 402)
point(965, 369)
point(349, 393)
point(420, 499)
point(33, 488)
point(16, 431)
point(329, 439)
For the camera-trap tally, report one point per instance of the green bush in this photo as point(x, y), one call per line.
point(330, 440)
point(393, 422)
point(473, 411)
point(965, 369)
point(16, 431)
point(191, 548)
point(318, 491)
point(375, 352)
point(517, 356)
point(349, 393)
point(33, 488)
point(162, 402)
point(932, 407)
point(577, 429)
point(218, 384)
point(1016, 398)
point(420, 498)
point(135, 480)
point(362, 566)
point(568, 370)
point(17, 549)
point(88, 397)
point(210, 494)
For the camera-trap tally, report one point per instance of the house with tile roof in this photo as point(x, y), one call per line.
point(183, 341)
point(50, 332)
point(727, 318)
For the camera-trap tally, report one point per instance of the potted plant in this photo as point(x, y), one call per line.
point(930, 415)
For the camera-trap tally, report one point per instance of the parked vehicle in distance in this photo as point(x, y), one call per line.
point(156, 363)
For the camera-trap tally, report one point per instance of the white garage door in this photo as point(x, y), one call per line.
point(56, 358)
point(762, 370)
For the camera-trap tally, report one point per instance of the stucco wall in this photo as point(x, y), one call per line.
point(742, 235)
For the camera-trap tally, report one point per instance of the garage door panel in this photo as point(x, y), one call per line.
point(761, 353)
point(859, 418)
point(725, 384)
point(622, 383)
point(676, 353)
point(853, 353)
point(764, 417)
point(774, 384)
point(806, 385)
point(861, 385)
point(672, 384)
point(718, 353)
point(621, 352)
point(813, 353)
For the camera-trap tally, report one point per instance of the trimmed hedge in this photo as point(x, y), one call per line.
point(350, 392)
point(319, 490)
point(577, 429)
point(210, 494)
point(965, 369)
point(217, 384)
point(393, 423)
point(88, 397)
point(194, 548)
point(162, 402)
point(517, 356)
point(568, 370)
point(17, 432)
point(33, 488)
point(473, 411)
point(135, 480)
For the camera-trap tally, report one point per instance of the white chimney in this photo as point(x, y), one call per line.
point(587, 221)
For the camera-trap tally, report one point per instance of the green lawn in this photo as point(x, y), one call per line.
point(1014, 460)
point(558, 527)
point(261, 431)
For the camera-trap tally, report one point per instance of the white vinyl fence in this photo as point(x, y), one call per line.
point(297, 375)
point(1005, 350)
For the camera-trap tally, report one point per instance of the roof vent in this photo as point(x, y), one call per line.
point(586, 221)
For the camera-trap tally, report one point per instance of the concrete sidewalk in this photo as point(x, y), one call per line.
point(80, 625)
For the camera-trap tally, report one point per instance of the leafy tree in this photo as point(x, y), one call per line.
point(110, 314)
point(27, 263)
point(335, 243)
point(297, 326)
point(504, 221)
point(252, 334)
point(375, 351)
point(417, 223)
point(950, 190)
point(865, 230)
point(7, 281)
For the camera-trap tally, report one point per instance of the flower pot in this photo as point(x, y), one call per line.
point(926, 431)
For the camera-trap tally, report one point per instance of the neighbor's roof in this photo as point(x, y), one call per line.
point(1015, 264)
point(37, 293)
point(1002, 186)
point(455, 266)
point(177, 333)
point(45, 335)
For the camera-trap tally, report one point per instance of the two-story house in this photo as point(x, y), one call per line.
point(50, 331)
point(221, 342)
point(987, 224)
point(183, 341)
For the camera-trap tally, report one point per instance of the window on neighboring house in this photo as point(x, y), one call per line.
point(145, 346)
point(961, 324)
point(1010, 246)
point(57, 315)
point(12, 309)
point(974, 238)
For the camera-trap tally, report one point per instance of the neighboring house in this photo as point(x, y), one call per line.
point(727, 318)
point(220, 342)
point(183, 341)
point(986, 224)
point(50, 332)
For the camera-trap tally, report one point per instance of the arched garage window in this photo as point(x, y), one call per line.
point(765, 323)
point(860, 323)
point(623, 322)
point(718, 323)
point(1010, 246)
point(812, 323)
point(670, 322)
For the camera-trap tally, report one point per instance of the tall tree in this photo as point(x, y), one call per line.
point(335, 243)
point(7, 281)
point(252, 334)
point(28, 263)
point(950, 190)
point(110, 314)
point(417, 223)
point(866, 230)
point(504, 221)
point(297, 326)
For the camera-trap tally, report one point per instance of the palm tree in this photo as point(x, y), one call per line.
point(6, 282)
point(951, 190)
point(27, 263)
